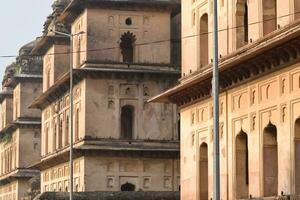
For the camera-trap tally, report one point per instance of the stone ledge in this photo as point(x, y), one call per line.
point(284, 197)
point(111, 196)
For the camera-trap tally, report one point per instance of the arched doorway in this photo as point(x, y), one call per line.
point(241, 23)
point(242, 169)
point(127, 47)
point(297, 156)
point(270, 161)
point(127, 187)
point(269, 16)
point(204, 40)
point(127, 120)
point(203, 171)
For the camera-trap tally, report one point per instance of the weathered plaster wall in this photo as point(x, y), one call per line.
point(99, 103)
point(9, 155)
point(105, 98)
point(94, 173)
point(54, 66)
point(6, 112)
point(57, 178)
point(29, 146)
point(24, 94)
point(55, 121)
point(13, 191)
point(105, 27)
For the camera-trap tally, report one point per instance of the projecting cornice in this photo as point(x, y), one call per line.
point(102, 70)
point(112, 148)
point(6, 94)
point(20, 173)
point(24, 122)
point(45, 42)
point(16, 79)
point(273, 52)
point(76, 7)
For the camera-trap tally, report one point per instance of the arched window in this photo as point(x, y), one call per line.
point(297, 156)
point(178, 127)
point(78, 51)
point(204, 40)
point(77, 124)
point(241, 23)
point(47, 78)
point(127, 120)
point(54, 136)
point(127, 47)
point(203, 171)
point(297, 9)
point(67, 130)
point(269, 16)
point(46, 139)
point(270, 161)
point(60, 133)
point(242, 169)
point(127, 187)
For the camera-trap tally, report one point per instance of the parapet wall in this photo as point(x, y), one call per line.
point(111, 196)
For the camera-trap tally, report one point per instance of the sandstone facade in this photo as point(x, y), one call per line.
point(121, 59)
point(20, 126)
point(259, 83)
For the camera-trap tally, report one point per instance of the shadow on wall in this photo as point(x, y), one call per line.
point(111, 196)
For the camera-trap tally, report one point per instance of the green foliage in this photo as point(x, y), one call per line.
point(17, 68)
point(5, 138)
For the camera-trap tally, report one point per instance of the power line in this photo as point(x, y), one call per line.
point(177, 40)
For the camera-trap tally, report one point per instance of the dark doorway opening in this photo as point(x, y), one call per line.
point(128, 187)
point(127, 119)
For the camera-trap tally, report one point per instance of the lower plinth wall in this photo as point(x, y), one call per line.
point(284, 197)
point(111, 196)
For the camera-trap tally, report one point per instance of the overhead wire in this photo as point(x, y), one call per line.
point(153, 42)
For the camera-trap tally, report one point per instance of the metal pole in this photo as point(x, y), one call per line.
point(70, 36)
point(71, 118)
point(215, 89)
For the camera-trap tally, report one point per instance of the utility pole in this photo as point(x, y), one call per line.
point(71, 105)
point(215, 91)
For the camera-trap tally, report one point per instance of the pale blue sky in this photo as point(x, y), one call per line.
point(21, 22)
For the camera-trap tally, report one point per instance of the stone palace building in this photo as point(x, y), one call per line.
point(20, 127)
point(259, 101)
point(121, 142)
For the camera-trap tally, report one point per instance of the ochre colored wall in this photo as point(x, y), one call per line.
point(273, 99)
point(193, 10)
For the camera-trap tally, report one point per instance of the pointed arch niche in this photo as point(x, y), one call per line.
point(241, 18)
point(297, 156)
point(203, 171)
point(270, 161)
point(242, 166)
point(269, 16)
point(128, 40)
point(204, 49)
